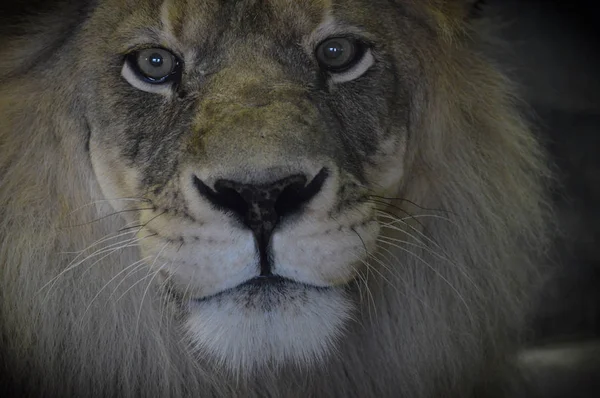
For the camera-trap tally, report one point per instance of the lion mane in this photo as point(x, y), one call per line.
point(460, 254)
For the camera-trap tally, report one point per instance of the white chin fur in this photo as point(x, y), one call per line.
point(249, 328)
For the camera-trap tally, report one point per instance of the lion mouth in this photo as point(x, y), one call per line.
point(263, 285)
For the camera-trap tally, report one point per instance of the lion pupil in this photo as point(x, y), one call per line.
point(156, 60)
point(334, 50)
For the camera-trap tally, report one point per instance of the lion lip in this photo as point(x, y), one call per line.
point(260, 283)
point(268, 280)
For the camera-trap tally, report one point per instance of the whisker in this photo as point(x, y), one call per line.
point(133, 265)
point(164, 287)
point(149, 284)
point(111, 249)
point(139, 316)
point(74, 263)
point(187, 288)
point(106, 216)
point(381, 263)
point(101, 240)
point(443, 256)
point(140, 226)
point(408, 291)
point(390, 225)
point(439, 274)
point(395, 219)
point(149, 273)
point(411, 202)
point(380, 202)
point(459, 267)
point(137, 268)
point(365, 281)
point(422, 234)
point(108, 201)
point(419, 216)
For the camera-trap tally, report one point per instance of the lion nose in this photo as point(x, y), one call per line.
point(261, 206)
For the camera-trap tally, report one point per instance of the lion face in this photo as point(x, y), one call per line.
point(242, 141)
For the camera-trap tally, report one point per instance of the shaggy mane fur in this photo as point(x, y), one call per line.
point(449, 300)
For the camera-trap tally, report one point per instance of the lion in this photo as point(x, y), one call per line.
point(262, 198)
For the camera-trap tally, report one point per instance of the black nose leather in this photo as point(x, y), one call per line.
point(261, 206)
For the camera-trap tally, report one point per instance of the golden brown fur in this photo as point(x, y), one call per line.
point(440, 308)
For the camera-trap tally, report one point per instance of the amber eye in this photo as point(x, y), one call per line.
point(155, 65)
point(337, 54)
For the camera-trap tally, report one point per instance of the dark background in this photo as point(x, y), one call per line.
point(552, 49)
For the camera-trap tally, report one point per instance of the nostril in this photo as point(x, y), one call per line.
point(293, 196)
point(223, 197)
point(289, 200)
point(229, 198)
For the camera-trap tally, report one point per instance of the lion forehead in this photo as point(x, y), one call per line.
point(197, 21)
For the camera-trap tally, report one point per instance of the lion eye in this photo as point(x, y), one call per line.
point(155, 64)
point(344, 58)
point(337, 54)
point(152, 68)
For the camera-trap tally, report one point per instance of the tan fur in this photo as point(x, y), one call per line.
point(443, 302)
